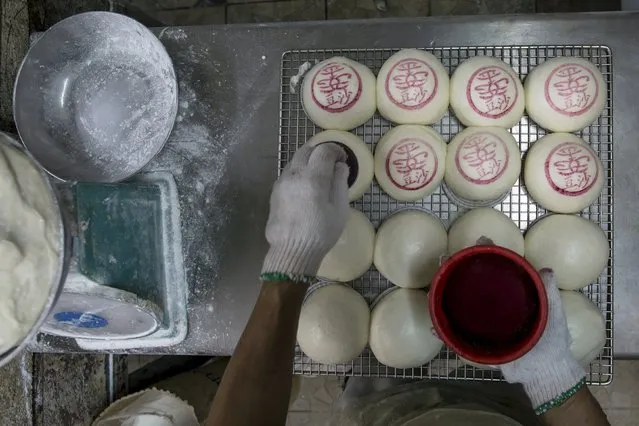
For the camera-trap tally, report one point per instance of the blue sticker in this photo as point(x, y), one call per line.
point(81, 319)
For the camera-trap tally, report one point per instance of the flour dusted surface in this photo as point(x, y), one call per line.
point(29, 246)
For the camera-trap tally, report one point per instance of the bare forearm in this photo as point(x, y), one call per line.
point(581, 409)
point(256, 386)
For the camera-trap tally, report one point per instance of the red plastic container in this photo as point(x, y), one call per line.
point(488, 304)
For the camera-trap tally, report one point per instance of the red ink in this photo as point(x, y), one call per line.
point(571, 169)
point(571, 89)
point(490, 300)
point(411, 84)
point(411, 164)
point(336, 87)
point(491, 91)
point(482, 158)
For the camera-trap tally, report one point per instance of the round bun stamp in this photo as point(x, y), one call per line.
point(411, 84)
point(411, 164)
point(571, 169)
point(571, 89)
point(336, 87)
point(492, 91)
point(482, 158)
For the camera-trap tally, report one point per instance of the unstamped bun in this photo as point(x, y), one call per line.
point(575, 248)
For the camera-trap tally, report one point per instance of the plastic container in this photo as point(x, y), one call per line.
point(488, 304)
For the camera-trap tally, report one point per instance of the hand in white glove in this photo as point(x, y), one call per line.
point(549, 372)
point(309, 207)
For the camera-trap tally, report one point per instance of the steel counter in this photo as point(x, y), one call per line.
point(223, 150)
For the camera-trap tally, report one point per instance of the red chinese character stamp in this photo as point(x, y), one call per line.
point(492, 91)
point(411, 164)
point(571, 89)
point(482, 158)
point(571, 169)
point(411, 84)
point(336, 87)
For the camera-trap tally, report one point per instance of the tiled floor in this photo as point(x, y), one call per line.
point(200, 12)
point(620, 400)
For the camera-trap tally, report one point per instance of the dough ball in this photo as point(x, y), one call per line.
point(482, 163)
point(401, 330)
point(487, 222)
point(408, 247)
point(586, 325)
point(410, 161)
point(575, 248)
point(565, 94)
point(485, 91)
point(353, 253)
point(412, 88)
point(562, 173)
point(339, 94)
point(359, 159)
point(477, 365)
point(334, 324)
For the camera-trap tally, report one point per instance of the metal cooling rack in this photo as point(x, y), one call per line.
point(296, 128)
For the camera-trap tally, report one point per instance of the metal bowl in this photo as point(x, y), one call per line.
point(64, 239)
point(95, 98)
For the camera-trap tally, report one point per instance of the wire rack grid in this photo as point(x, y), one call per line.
point(296, 128)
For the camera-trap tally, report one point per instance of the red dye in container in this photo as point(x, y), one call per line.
point(488, 304)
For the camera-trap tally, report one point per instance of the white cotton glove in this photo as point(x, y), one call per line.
point(309, 207)
point(549, 372)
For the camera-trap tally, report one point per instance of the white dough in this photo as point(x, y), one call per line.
point(412, 88)
point(482, 163)
point(352, 255)
point(562, 173)
point(401, 330)
point(485, 91)
point(334, 324)
point(339, 94)
point(586, 326)
point(362, 153)
point(575, 248)
point(565, 94)
point(410, 162)
point(408, 248)
point(29, 245)
point(484, 222)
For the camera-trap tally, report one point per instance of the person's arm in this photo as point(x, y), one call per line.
point(309, 207)
point(580, 409)
point(256, 386)
point(551, 376)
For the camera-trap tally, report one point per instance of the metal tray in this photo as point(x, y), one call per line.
point(296, 128)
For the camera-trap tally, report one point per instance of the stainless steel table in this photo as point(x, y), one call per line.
point(223, 151)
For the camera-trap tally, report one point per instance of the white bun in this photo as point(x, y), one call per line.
point(562, 173)
point(565, 94)
point(410, 162)
point(352, 255)
point(484, 222)
point(362, 152)
point(339, 94)
point(576, 249)
point(485, 91)
point(586, 325)
point(408, 248)
point(334, 324)
point(401, 330)
point(412, 88)
point(482, 163)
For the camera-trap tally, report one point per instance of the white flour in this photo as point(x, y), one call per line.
point(300, 73)
point(29, 246)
